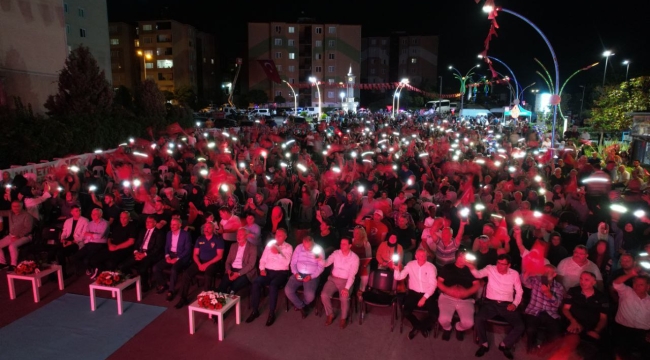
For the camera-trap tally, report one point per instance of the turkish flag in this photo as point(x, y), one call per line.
point(174, 128)
point(270, 70)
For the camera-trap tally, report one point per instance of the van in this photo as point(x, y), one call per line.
point(261, 112)
point(312, 111)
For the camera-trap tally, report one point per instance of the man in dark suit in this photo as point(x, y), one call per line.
point(240, 264)
point(149, 250)
point(178, 255)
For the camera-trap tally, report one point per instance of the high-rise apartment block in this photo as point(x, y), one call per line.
point(86, 23)
point(302, 50)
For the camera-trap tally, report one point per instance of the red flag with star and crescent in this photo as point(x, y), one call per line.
point(270, 70)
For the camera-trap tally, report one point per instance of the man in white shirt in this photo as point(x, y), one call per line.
point(274, 272)
point(72, 238)
point(632, 324)
point(499, 300)
point(570, 269)
point(423, 280)
point(344, 271)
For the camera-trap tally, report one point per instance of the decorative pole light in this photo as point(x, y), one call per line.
point(627, 70)
point(295, 98)
point(312, 79)
point(463, 81)
point(606, 54)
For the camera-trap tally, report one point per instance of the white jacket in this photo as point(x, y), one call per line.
point(79, 231)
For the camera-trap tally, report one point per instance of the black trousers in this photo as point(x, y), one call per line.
point(141, 267)
point(192, 271)
point(86, 254)
point(60, 253)
point(109, 260)
point(552, 327)
point(274, 279)
point(629, 340)
point(491, 309)
point(411, 303)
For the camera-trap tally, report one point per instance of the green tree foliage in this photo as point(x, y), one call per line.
point(279, 99)
point(83, 89)
point(150, 104)
point(185, 96)
point(611, 108)
point(124, 98)
point(258, 96)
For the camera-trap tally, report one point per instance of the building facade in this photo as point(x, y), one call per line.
point(176, 56)
point(28, 31)
point(375, 60)
point(302, 50)
point(86, 23)
point(125, 64)
point(417, 59)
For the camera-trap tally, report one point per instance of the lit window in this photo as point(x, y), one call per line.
point(414, 61)
point(330, 81)
point(137, 43)
point(318, 43)
point(318, 56)
point(330, 94)
point(212, 61)
point(148, 65)
point(332, 30)
point(166, 64)
point(147, 27)
point(115, 41)
point(292, 29)
point(292, 55)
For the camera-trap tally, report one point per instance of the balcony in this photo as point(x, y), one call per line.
point(164, 38)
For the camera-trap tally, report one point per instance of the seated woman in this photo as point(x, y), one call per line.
point(361, 247)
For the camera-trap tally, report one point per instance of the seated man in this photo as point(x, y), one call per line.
point(306, 269)
point(120, 245)
point(422, 284)
point(632, 326)
point(502, 296)
point(240, 264)
point(274, 272)
point(149, 250)
point(95, 239)
point(208, 251)
point(586, 309)
point(72, 238)
point(178, 255)
point(570, 269)
point(542, 310)
point(21, 224)
point(345, 266)
point(458, 287)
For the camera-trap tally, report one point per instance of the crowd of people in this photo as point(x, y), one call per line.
point(479, 220)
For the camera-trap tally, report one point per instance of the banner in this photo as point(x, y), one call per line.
point(43, 169)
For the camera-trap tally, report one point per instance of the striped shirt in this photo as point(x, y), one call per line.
point(445, 254)
point(540, 302)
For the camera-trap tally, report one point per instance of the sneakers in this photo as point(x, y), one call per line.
point(94, 275)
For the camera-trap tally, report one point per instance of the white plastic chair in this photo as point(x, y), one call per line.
point(287, 205)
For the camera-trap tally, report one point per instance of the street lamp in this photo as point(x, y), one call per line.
point(145, 57)
point(489, 8)
point(514, 78)
point(342, 95)
point(397, 92)
point(312, 79)
point(295, 98)
point(582, 101)
point(440, 97)
point(606, 54)
point(463, 80)
point(627, 70)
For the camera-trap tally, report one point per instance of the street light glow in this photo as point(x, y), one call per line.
point(626, 62)
point(607, 53)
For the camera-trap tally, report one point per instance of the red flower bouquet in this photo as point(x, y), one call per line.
point(26, 267)
point(211, 300)
point(110, 278)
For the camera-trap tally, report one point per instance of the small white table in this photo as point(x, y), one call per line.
point(230, 302)
point(35, 278)
point(116, 291)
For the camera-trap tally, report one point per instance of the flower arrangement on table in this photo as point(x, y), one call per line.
point(110, 278)
point(211, 300)
point(26, 267)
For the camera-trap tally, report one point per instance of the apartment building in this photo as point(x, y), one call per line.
point(375, 60)
point(417, 59)
point(177, 55)
point(302, 50)
point(33, 50)
point(86, 23)
point(125, 63)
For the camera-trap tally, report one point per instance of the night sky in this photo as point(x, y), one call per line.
point(579, 30)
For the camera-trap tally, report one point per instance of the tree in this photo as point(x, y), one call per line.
point(258, 96)
point(185, 96)
point(611, 109)
point(149, 100)
point(124, 98)
point(82, 89)
point(279, 99)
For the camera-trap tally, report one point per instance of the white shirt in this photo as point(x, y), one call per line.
point(175, 241)
point(500, 286)
point(147, 237)
point(422, 279)
point(633, 311)
point(279, 261)
point(570, 272)
point(237, 263)
point(345, 267)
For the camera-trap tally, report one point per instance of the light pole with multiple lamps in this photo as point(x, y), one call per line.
point(627, 68)
point(397, 92)
point(295, 98)
point(514, 78)
point(145, 57)
point(463, 80)
point(606, 54)
point(312, 79)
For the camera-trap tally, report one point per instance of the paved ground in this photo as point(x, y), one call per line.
point(290, 337)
